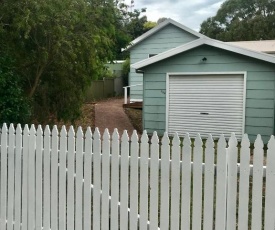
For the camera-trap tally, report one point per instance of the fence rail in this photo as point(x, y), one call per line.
point(67, 181)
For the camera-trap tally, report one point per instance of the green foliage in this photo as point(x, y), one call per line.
point(239, 20)
point(14, 106)
point(58, 46)
point(125, 71)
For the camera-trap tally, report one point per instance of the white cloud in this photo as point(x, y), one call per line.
point(190, 13)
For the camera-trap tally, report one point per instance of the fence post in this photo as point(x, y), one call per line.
point(125, 95)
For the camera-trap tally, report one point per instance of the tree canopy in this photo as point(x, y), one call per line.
point(58, 46)
point(239, 20)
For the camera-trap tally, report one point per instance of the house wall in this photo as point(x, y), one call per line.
point(260, 88)
point(167, 38)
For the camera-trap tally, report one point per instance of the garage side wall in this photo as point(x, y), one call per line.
point(165, 39)
point(260, 87)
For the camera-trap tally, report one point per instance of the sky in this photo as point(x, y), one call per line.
point(190, 13)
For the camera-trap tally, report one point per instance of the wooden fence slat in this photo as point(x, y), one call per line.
point(11, 167)
point(31, 178)
point(208, 207)
point(175, 183)
point(134, 185)
point(4, 166)
point(46, 179)
point(186, 183)
point(70, 180)
point(4, 161)
point(25, 178)
point(257, 184)
point(79, 179)
point(96, 180)
point(105, 180)
point(244, 183)
point(124, 173)
point(38, 178)
point(115, 180)
point(197, 184)
point(269, 222)
point(221, 184)
point(87, 180)
point(154, 182)
point(54, 179)
point(165, 184)
point(62, 179)
point(18, 180)
point(232, 182)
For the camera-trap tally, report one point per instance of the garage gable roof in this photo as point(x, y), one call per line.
point(159, 27)
point(204, 41)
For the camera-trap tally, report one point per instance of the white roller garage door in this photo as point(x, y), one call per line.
point(206, 104)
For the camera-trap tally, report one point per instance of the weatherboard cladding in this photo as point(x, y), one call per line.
point(165, 39)
point(260, 86)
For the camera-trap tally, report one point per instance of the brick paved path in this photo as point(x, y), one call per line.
point(110, 114)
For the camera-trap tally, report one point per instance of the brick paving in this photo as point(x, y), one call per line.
point(110, 114)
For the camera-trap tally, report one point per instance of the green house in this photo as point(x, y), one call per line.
point(165, 36)
point(209, 87)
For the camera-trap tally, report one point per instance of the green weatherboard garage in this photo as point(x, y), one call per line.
point(207, 86)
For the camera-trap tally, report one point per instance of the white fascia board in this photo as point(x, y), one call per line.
point(157, 28)
point(204, 41)
point(169, 53)
point(239, 50)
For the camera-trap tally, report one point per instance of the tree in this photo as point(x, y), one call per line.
point(239, 20)
point(58, 46)
point(160, 20)
point(14, 106)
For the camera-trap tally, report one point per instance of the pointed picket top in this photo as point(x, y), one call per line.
point(144, 137)
point(245, 141)
point(71, 132)
point(55, 131)
point(18, 128)
point(259, 142)
point(89, 133)
point(96, 134)
point(115, 135)
point(198, 140)
point(155, 138)
point(125, 137)
point(63, 132)
point(11, 128)
point(79, 133)
point(26, 129)
point(176, 139)
point(222, 142)
point(165, 139)
point(271, 143)
point(106, 135)
point(4, 127)
point(134, 137)
point(209, 142)
point(233, 142)
point(39, 130)
point(186, 140)
point(32, 130)
point(47, 131)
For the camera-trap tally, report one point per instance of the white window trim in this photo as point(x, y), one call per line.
point(244, 73)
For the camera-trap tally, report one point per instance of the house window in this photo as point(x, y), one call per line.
point(152, 55)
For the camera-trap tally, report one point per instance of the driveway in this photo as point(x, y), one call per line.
point(110, 114)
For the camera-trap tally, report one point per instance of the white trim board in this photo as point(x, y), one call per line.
point(200, 42)
point(244, 73)
point(159, 27)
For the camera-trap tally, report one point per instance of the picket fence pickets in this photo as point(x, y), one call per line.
point(64, 180)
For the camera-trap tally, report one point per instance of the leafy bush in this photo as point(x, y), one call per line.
point(14, 106)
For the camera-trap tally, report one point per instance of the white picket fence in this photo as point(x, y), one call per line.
point(66, 182)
